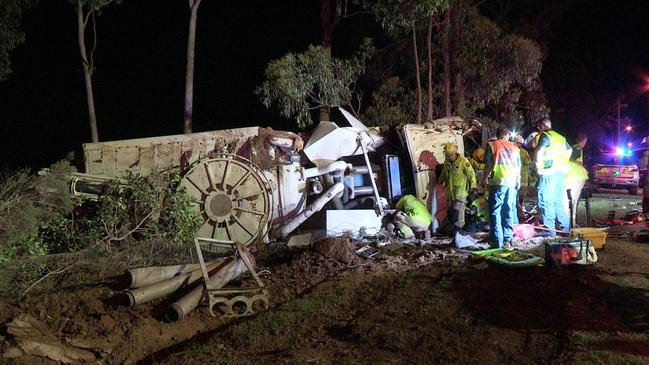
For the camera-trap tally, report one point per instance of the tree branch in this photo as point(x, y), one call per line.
point(51, 273)
point(91, 58)
point(110, 238)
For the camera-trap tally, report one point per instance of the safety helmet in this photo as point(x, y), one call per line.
point(450, 148)
point(478, 154)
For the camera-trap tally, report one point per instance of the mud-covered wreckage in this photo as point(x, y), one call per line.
point(257, 184)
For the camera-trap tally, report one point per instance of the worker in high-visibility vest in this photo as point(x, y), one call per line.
point(458, 177)
point(412, 215)
point(504, 173)
point(479, 213)
point(573, 182)
point(551, 159)
point(477, 162)
point(578, 149)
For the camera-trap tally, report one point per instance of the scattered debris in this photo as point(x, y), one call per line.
point(641, 236)
point(367, 251)
point(34, 338)
point(12, 353)
point(462, 241)
point(358, 222)
point(300, 240)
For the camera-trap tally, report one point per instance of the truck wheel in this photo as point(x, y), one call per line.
point(633, 190)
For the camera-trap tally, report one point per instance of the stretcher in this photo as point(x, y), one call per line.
point(510, 258)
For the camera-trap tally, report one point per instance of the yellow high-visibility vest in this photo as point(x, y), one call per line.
point(556, 155)
point(507, 165)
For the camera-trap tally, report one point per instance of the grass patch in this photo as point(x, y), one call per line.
point(198, 348)
point(610, 348)
point(282, 319)
point(598, 357)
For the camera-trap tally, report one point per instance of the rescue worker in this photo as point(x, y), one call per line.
point(574, 181)
point(458, 177)
point(412, 216)
point(504, 173)
point(551, 159)
point(477, 162)
point(578, 149)
point(530, 144)
point(526, 162)
point(479, 211)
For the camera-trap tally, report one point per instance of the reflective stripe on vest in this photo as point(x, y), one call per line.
point(555, 157)
point(580, 158)
point(507, 165)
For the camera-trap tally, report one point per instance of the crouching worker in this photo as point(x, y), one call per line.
point(479, 215)
point(412, 218)
point(458, 177)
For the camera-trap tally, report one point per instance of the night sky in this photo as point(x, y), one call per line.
point(595, 49)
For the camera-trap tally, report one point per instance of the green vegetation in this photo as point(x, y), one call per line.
point(29, 205)
point(274, 322)
point(301, 82)
point(39, 217)
point(38, 214)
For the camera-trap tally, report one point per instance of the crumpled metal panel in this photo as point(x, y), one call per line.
point(425, 144)
point(118, 158)
point(329, 142)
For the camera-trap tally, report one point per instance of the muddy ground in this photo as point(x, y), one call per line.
point(412, 305)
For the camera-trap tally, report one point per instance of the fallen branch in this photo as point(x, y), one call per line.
point(110, 238)
point(51, 273)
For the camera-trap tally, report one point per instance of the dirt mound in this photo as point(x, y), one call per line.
point(290, 279)
point(336, 248)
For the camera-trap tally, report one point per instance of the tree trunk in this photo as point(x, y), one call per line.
point(189, 75)
point(329, 23)
point(446, 59)
point(429, 114)
point(417, 71)
point(460, 105)
point(87, 73)
point(459, 94)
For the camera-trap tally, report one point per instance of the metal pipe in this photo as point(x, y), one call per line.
point(317, 171)
point(362, 170)
point(363, 190)
point(228, 272)
point(289, 227)
point(166, 287)
point(359, 140)
point(145, 276)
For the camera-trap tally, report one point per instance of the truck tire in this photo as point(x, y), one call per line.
point(633, 190)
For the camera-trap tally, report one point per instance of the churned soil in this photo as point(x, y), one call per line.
point(424, 305)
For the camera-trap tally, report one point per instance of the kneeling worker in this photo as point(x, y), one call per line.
point(412, 216)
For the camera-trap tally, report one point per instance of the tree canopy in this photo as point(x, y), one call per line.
point(298, 83)
point(10, 34)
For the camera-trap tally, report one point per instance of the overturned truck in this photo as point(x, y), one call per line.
point(257, 184)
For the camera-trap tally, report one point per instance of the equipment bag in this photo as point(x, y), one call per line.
point(564, 252)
